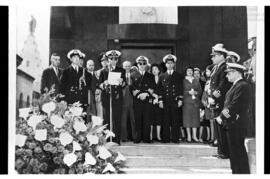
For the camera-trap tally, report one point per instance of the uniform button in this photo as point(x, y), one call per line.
point(173, 93)
point(167, 94)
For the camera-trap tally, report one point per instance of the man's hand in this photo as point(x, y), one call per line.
point(225, 112)
point(219, 120)
point(216, 94)
point(135, 92)
point(151, 91)
point(106, 82)
point(211, 101)
point(180, 103)
point(97, 92)
point(120, 80)
point(161, 104)
point(143, 96)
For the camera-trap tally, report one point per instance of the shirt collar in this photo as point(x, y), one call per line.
point(74, 66)
point(170, 71)
point(142, 72)
point(240, 78)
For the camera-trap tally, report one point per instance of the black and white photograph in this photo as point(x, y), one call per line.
point(119, 89)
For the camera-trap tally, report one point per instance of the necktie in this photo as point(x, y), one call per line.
point(214, 70)
point(128, 78)
point(56, 71)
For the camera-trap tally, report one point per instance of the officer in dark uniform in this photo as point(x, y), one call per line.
point(142, 88)
point(116, 92)
point(219, 85)
point(170, 91)
point(70, 85)
point(234, 118)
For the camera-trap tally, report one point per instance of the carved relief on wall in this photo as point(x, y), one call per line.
point(162, 15)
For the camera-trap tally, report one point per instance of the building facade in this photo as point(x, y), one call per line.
point(190, 35)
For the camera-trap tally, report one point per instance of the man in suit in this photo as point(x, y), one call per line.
point(234, 118)
point(90, 83)
point(170, 91)
point(128, 112)
point(70, 81)
point(142, 88)
point(51, 76)
point(219, 85)
point(113, 91)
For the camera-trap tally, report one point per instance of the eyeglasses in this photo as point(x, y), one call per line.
point(141, 63)
point(113, 58)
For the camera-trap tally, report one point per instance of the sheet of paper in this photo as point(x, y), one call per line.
point(113, 78)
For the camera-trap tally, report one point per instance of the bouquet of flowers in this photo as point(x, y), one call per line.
point(53, 139)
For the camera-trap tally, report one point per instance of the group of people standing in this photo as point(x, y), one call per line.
point(147, 100)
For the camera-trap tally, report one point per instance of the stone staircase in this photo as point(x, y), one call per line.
point(158, 158)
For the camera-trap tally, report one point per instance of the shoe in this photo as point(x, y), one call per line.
point(159, 140)
point(220, 156)
point(176, 142)
point(137, 141)
point(201, 141)
point(195, 141)
point(147, 141)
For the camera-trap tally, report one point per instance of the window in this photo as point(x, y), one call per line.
point(28, 101)
point(21, 100)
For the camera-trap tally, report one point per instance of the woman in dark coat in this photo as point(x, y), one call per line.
point(156, 111)
point(191, 107)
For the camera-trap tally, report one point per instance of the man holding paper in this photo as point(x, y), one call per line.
point(113, 81)
point(142, 88)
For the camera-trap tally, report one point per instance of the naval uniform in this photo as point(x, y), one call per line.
point(117, 101)
point(170, 91)
point(219, 82)
point(234, 120)
point(143, 83)
point(69, 85)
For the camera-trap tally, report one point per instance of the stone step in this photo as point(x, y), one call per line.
point(176, 170)
point(163, 149)
point(176, 160)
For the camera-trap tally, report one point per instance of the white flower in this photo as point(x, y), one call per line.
point(57, 121)
point(109, 167)
point(76, 146)
point(89, 159)
point(41, 135)
point(48, 107)
point(120, 157)
point(109, 134)
point(65, 138)
point(69, 159)
point(79, 126)
point(76, 111)
point(24, 112)
point(20, 140)
point(96, 121)
point(34, 120)
point(104, 153)
point(92, 139)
